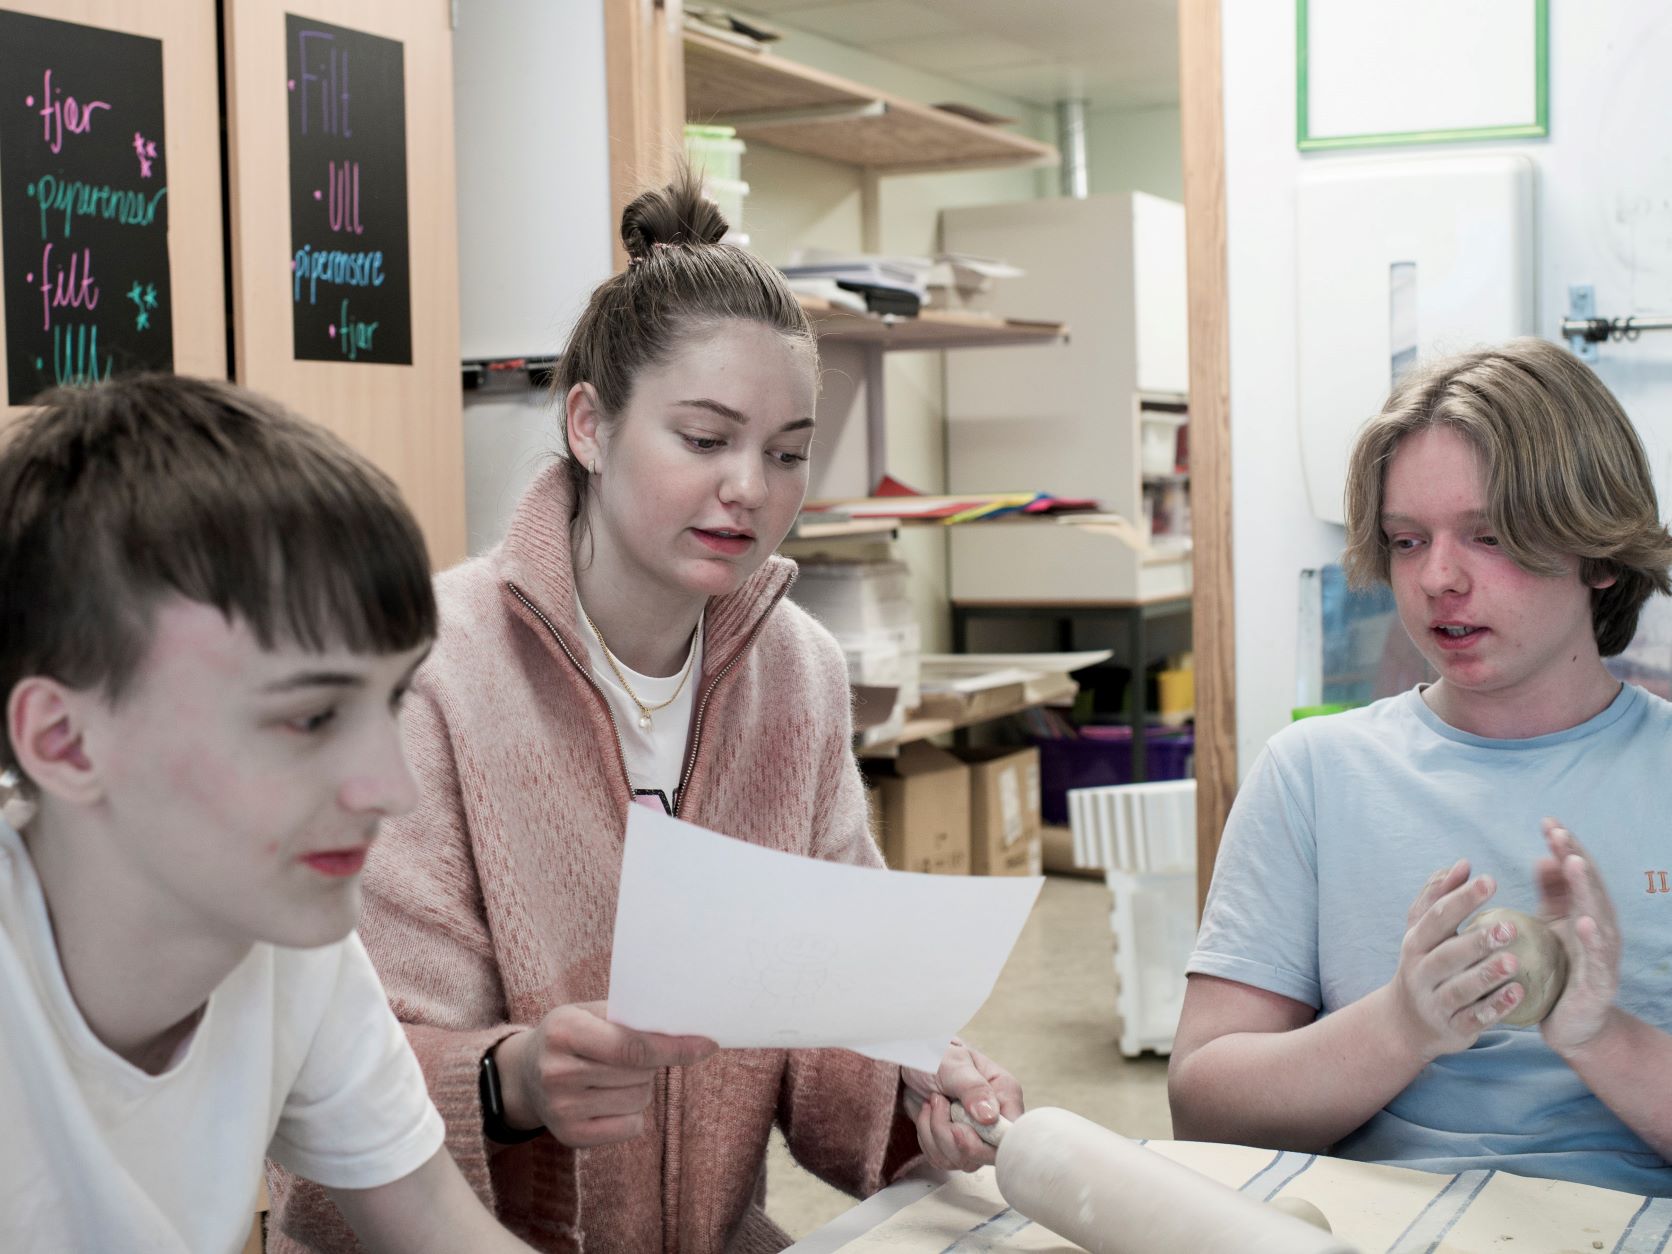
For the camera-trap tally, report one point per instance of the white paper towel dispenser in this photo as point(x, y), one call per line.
point(1401, 260)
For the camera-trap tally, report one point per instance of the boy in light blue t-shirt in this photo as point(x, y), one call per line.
point(1505, 497)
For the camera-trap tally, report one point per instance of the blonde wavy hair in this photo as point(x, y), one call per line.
point(1566, 475)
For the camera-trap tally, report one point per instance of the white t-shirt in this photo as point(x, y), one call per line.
point(297, 1056)
point(655, 755)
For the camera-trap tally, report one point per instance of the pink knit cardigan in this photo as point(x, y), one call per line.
point(494, 901)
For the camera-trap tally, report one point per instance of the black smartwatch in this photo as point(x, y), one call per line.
point(494, 1126)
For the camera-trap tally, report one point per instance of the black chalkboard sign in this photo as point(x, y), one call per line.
point(351, 288)
point(83, 204)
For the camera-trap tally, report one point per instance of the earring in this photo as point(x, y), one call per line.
point(17, 807)
point(594, 465)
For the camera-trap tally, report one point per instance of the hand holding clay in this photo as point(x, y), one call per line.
point(986, 1090)
point(1450, 987)
point(1541, 962)
point(1582, 917)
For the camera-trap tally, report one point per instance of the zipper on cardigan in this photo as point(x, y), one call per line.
point(670, 1241)
point(620, 751)
point(669, 1223)
point(673, 1124)
point(702, 708)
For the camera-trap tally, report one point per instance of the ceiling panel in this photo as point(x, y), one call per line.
point(959, 55)
point(880, 22)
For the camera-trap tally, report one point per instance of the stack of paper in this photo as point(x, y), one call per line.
point(903, 273)
point(949, 679)
point(951, 510)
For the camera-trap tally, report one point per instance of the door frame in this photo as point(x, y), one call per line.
point(644, 68)
point(1213, 626)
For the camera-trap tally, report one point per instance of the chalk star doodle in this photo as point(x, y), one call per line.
point(144, 297)
point(146, 151)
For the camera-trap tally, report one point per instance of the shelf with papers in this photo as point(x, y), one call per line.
point(922, 728)
point(871, 518)
point(778, 102)
point(930, 329)
point(814, 528)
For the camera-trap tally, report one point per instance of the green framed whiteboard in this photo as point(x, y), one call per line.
point(1420, 72)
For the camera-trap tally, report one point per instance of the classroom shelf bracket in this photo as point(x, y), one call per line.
point(876, 419)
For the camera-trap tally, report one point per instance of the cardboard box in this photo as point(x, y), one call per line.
point(923, 802)
point(1004, 811)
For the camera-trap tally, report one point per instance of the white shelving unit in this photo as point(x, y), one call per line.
point(1068, 418)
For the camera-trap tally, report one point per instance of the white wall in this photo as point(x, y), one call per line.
point(534, 220)
point(1135, 150)
point(533, 170)
point(1605, 218)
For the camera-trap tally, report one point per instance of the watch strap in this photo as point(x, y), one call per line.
point(494, 1126)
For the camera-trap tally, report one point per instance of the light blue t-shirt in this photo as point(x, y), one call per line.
point(1339, 825)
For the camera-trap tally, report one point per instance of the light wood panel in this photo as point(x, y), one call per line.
point(192, 138)
point(809, 111)
point(408, 419)
point(1202, 121)
point(645, 87)
point(929, 329)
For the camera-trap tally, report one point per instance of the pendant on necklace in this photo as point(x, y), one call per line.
point(644, 721)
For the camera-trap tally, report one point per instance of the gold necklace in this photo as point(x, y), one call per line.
point(645, 711)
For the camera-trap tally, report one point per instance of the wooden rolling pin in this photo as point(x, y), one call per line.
point(1112, 1196)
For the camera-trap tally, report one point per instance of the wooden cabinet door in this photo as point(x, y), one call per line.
point(353, 99)
point(73, 120)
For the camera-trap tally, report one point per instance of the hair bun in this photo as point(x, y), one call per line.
point(673, 215)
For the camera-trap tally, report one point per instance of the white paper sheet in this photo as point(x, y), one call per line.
point(760, 949)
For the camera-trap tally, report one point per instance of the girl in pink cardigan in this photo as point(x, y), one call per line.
point(629, 643)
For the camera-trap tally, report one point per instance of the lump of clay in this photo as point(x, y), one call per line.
point(1541, 962)
point(1301, 1209)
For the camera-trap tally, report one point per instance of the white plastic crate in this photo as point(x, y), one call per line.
point(1144, 836)
point(1154, 921)
point(1135, 827)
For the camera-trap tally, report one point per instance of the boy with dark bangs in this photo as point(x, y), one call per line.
point(209, 612)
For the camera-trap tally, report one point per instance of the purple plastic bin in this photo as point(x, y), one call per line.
point(1170, 753)
point(1102, 755)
